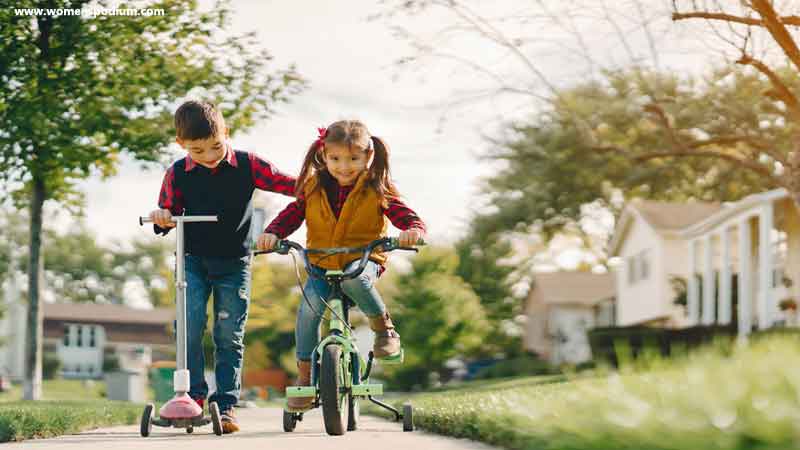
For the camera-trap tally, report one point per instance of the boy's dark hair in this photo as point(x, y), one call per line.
point(197, 119)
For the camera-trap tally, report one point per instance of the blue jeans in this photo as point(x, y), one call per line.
point(360, 289)
point(229, 280)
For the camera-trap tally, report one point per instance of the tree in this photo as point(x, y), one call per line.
point(554, 167)
point(438, 316)
point(81, 91)
point(481, 263)
point(81, 269)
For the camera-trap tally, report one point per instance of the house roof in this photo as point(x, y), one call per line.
point(733, 209)
point(574, 288)
point(663, 217)
point(674, 216)
point(105, 313)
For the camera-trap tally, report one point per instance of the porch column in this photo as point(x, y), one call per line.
point(765, 303)
point(744, 293)
point(708, 280)
point(692, 287)
point(725, 297)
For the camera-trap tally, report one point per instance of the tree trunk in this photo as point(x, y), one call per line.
point(33, 347)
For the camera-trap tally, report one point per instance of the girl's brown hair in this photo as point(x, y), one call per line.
point(354, 135)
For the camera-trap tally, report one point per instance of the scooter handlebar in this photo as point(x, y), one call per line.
point(175, 219)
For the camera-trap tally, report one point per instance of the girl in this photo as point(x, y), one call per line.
point(345, 194)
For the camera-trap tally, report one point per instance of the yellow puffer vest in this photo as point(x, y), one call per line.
point(360, 221)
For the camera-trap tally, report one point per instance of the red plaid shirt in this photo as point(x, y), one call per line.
point(265, 177)
point(290, 219)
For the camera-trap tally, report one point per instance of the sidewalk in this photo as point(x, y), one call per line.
point(261, 429)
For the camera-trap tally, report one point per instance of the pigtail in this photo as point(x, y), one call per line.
point(379, 173)
point(312, 166)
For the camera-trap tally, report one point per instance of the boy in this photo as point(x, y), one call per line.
point(214, 179)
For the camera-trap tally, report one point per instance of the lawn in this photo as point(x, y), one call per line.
point(68, 406)
point(746, 398)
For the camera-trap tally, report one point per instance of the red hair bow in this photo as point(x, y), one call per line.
point(321, 139)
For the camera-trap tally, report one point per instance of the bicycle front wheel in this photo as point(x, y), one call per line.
point(331, 387)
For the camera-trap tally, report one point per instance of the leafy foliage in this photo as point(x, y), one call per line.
point(437, 314)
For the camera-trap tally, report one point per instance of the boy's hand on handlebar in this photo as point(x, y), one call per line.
point(162, 218)
point(409, 238)
point(266, 241)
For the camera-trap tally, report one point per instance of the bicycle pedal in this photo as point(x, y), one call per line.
point(397, 358)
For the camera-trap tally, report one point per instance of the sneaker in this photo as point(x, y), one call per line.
point(229, 423)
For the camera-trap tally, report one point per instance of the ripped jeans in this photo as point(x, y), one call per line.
point(229, 280)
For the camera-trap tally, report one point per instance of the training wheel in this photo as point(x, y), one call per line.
point(408, 417)
point(289, 421)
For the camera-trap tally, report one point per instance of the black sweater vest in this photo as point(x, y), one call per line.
point(228, 194)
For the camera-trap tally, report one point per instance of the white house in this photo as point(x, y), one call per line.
point(82, 334)
point(652, 250)
point(735, 257)
point(561, 307)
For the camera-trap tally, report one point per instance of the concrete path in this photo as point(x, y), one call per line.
point(262, 430)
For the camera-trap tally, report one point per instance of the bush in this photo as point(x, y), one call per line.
point(51, 365)
point(110, 362)
point(523, 365)
point(617, 345)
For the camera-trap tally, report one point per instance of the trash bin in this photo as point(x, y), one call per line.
point(125, 385)
point(161, 380)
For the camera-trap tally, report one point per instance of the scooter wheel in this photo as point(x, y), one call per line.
point(189, 430)
point(408, 417)
point(146, 424)
point(216, 420)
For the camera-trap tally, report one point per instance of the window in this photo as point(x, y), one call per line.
point(631, 269)
point(638, 266)
point(644, 265)
point(80, 336)
point(66, 335)
point(92, 336)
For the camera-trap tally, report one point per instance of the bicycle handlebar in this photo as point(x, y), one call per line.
point(388, 244)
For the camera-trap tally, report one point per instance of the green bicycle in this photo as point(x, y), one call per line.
point(339, 372)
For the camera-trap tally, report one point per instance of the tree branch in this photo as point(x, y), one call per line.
point(777, 29)
point(751, 141)
point(750, 165)
point(781, 91)
point(786, 20)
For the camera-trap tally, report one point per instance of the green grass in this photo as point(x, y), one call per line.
point(24, 420)
point(67, 406)
point(746, 398)
point(61, 390)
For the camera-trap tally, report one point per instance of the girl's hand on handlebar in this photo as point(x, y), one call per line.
point(266, 241)
point(162, 218)
point(409, 238)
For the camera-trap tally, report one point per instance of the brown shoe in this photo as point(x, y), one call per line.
point(229, 423)
point(303, 379)
point(387, 340)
